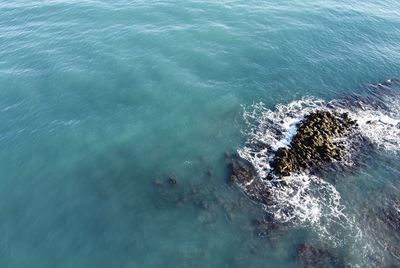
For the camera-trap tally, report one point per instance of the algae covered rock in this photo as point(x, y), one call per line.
point(314, 143)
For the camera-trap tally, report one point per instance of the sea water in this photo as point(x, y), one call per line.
point(103, 102)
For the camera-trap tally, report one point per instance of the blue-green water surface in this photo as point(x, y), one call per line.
point(101, 101)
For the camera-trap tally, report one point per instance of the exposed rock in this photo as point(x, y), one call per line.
point(314, 143)
point(313, 146)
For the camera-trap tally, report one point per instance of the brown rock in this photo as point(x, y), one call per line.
point(313, 144)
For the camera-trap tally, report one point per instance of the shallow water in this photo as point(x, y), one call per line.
point(100, 100)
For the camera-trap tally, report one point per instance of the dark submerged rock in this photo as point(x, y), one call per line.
point(267, 227)
point(310, 256)
point(228, 155)
point(390, 215)
point(243, 173)
point(393, 218)
point(383, 223)
point(172, 180)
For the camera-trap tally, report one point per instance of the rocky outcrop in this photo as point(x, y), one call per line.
point(313, 146)
point(314, 143)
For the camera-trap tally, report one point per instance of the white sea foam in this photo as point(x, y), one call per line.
point(380, 127)
point(310, 199)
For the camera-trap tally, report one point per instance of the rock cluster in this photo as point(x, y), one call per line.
point(314, 143)
point(313, 146)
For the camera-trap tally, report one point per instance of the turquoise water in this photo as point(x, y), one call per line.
point(102, 100)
